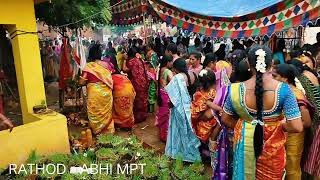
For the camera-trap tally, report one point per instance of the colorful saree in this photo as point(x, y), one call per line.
point(152, 91)
point(163, 113)
point(295, 142)
point(221, 158)
point(123, 98)
point(100, 99)
point(181, 142)
point(202, 129)
point(271, 163)
point(162, 118)
point(312, 165)
point(139, 79)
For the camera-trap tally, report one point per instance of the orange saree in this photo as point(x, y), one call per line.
point(123, 98)
point(202, 129)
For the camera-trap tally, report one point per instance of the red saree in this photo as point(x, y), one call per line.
point(139, 79)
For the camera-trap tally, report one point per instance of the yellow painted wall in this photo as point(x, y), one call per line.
point(46, 137)
point(19, 15)
point(47, 133)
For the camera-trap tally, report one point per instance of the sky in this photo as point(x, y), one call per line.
point(222, 8)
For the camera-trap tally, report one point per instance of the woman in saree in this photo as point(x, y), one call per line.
point(181, 141)
point(164, 77)
point(311, 86)
point(137, 71)
point(99, 82)
point(295, 143)
point(255, 109)
point(123, 96)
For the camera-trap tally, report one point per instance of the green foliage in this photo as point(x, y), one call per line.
point(34, 158)
point(79, 160)
point(107, 154)
point(58, 158)
point(60, 12)
point(67, 176)
point(123, 151)
point(110, 140)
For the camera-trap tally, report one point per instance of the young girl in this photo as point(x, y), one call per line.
point(204, 123)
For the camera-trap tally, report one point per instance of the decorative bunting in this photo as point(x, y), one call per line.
point(290, 13)
point(281, 16)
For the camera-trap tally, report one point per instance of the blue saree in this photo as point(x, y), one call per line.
point(181, 141)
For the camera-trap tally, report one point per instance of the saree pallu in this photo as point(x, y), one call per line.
point(123, 98)
point(221, 159)
point(100, 99)
point(181, 142)
point(312, 165)
point(162, 117)
point(100, 108)
point(202, 129)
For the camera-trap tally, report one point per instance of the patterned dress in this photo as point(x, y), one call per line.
point(139, 78)
point(271, 163)
point(312, 163)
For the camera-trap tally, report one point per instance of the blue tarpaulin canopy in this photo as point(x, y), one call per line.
point(222, 8)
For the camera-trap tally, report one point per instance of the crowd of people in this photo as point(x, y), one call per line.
point(253, 113)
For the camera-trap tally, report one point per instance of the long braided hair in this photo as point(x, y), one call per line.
point(259, 90)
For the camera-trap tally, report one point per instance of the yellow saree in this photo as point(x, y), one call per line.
point(294, 146)
point(99, 105)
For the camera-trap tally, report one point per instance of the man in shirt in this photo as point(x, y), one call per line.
point(195, 62)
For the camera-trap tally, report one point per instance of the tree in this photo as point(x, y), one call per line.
point(57, 13)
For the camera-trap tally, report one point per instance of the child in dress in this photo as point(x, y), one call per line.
point(204, 121)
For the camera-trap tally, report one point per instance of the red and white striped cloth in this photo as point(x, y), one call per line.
point(312, 165)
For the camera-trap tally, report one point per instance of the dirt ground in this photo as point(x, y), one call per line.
point(146, 131)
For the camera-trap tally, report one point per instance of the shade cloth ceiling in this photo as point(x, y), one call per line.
point(222, 8)
point(252, 17)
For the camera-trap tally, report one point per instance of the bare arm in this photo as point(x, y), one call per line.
point(215, 132)
point(228, 120)
point(214, 106)
point(125, 67)
point(83, 78)
point(6, 121)
point(170, 76)
point(293, 126)
point(306, 118)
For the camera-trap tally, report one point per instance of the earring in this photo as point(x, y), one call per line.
point(249, 69)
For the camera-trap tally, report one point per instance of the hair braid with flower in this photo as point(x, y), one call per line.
point(260, 59)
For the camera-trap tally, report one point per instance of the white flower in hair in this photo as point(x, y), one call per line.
point(261, 63)
point(203, 72)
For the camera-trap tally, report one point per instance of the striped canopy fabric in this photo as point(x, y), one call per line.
point(266, 21)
